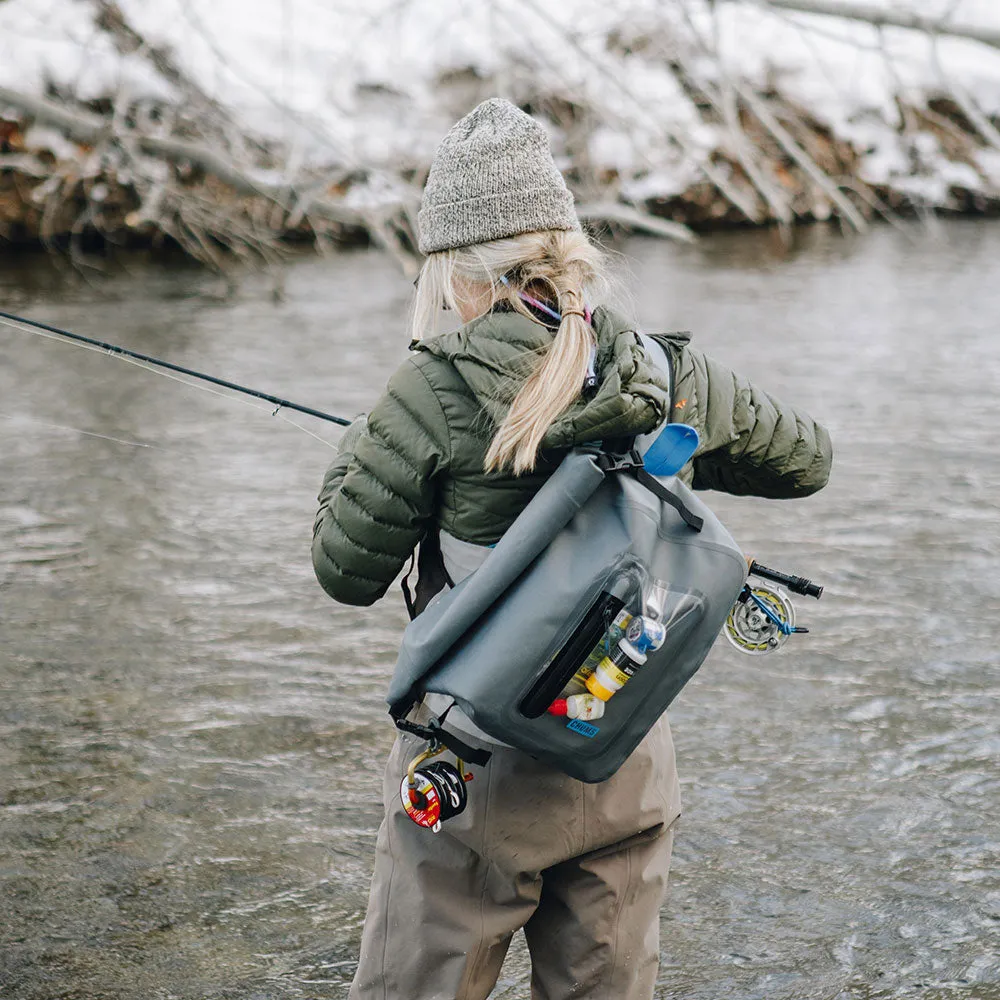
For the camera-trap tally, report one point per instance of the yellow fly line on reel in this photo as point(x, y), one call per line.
point(763, 617)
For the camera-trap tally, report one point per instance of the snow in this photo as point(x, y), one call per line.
point(39, 138)
point(375, 85)
point(851, 76)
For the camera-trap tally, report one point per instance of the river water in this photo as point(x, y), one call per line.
point(191, 733)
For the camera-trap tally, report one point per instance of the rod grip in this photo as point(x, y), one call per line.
point(796, 584)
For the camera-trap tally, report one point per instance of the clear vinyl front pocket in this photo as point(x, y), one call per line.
point(620, 593)
point(624, 637)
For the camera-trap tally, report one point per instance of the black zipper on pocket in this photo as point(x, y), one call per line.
point(571, 655)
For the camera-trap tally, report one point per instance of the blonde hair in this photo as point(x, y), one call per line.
point(559, 265)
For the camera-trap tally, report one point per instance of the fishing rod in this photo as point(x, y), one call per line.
point(281, 404)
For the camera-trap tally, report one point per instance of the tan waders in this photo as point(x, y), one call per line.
point(581, 867)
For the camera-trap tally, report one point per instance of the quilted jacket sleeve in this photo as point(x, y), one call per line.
point(379, 493)
point(752, 443)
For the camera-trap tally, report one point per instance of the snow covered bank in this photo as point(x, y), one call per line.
point(240, 123)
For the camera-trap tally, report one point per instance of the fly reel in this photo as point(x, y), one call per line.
point(761, 620)
point(432, 793)
point(763, 616)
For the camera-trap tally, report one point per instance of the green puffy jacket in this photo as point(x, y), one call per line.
point(417, 460)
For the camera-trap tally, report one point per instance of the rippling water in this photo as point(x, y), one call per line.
point(191, 733)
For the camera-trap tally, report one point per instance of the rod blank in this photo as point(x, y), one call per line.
point(283, 404)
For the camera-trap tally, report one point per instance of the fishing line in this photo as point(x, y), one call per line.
point(19, 417)
point(145, 361)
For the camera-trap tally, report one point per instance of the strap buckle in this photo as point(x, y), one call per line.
point(435, 734)
point(619, 462)
point(631, 464)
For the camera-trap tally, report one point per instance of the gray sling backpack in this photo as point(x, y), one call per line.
point(601, 541)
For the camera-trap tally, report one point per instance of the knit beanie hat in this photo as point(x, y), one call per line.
point(493, 176)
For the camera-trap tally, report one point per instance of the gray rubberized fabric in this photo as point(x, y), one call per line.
point(434, 633)
point(582, 868)
point(581, 535)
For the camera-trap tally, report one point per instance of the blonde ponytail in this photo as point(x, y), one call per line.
point(562, 264)
point(550, 389)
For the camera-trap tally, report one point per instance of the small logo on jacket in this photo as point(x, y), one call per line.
point(583, 728)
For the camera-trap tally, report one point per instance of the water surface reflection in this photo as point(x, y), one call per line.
point(191, 733)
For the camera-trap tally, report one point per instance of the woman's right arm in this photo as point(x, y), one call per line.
point(380, 493)
point(752, 443)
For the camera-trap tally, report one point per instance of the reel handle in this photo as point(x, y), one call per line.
point(796, 584)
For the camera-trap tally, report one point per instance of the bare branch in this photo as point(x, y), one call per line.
point(89, 128)
point(24, 163)
point(726, 105)
point(632, 218)
point(802, 158)
point(79, 125)
point(887, 17)
point(736, 197)
point(965, 101)
point(110, 18)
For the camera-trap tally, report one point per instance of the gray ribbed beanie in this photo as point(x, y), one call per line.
point(493, 176)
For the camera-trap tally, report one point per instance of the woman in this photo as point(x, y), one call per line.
point(466, 432)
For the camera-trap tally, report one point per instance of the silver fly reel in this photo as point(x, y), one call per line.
point(763, 617)
point(761, 620)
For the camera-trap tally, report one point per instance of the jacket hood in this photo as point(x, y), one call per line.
point(496, 352)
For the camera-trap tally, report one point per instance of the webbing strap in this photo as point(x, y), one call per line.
point(691, 519)
point(631, 464)
point(434, 732)
point(404, 584)
point(432, 576)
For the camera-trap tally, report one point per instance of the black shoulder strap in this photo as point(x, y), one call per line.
point(691, 519)
point(432, 577)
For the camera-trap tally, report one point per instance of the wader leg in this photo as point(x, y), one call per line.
point(596, 932)
point(581, 867)
point(440, 915)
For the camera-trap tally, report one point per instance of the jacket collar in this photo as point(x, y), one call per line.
point(496, 352)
